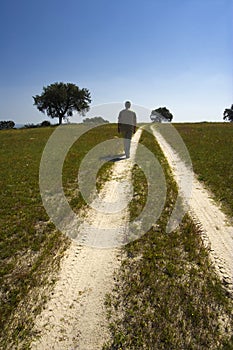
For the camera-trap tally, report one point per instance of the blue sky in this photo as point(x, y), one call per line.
point(173, 53)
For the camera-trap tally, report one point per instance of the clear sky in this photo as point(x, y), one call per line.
point(173, 53)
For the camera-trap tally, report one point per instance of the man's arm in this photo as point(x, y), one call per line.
point(119, 123)
point(135, 123)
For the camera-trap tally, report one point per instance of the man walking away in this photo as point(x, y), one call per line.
point(127, 121)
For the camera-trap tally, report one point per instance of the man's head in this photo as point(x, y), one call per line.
point(127, 104)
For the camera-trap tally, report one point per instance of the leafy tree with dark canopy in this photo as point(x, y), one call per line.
point(161, 114)
point(95, 120)
point(9, 124)
point(60, 100)
point(228, 114)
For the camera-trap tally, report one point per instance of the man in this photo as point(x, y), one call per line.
point(127, 121)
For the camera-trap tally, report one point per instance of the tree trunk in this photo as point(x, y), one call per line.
point(60, 120)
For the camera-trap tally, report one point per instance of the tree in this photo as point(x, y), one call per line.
point(6, 124)
point(228, 114)
point(95, 120)
point(30, 126)
point(60, 100)
point(45, 123)
point(161, 114)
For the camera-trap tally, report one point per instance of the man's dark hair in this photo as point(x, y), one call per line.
point(127, 104)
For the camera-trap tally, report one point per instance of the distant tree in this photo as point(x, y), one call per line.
point(31, 126)
point(45, 123)
point(161, 114)
point(9, 124)
point(95, 120)
point(60, 100)
point(228, 114)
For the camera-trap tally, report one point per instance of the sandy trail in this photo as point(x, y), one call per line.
point(217, 232)
point(74, 317)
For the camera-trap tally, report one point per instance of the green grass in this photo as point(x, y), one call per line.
point(168, 297)
point(167, 294)
point(210, 146)
point(30, 246)
point(28, 243)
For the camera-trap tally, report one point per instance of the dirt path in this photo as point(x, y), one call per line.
point(74, 317)
point(217, 232)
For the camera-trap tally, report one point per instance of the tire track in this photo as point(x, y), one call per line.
point(216, 231)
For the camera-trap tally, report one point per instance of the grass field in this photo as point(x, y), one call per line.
point(210, 146)
point(168, 295)
point(30, 246)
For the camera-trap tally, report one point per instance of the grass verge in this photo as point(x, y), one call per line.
point(167, 293)
point(210, 146)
